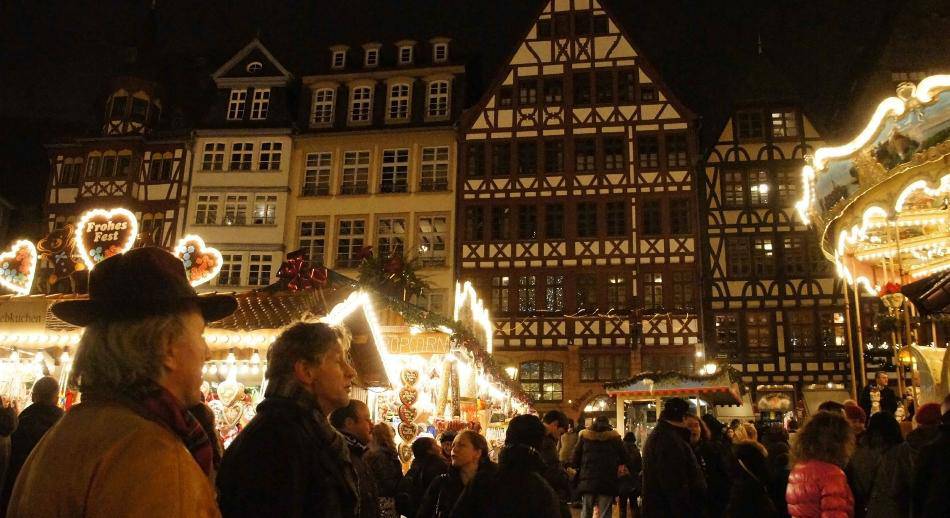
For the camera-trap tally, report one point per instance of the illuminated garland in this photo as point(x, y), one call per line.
point(734, 377)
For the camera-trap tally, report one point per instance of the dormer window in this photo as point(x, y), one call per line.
point(119, 104)
point(261, 104)
point(371, 58)
point(139, 110)
point(254, 67)
point(339, 58)
point(236, 104)
point(405, 54)
point(440, 52)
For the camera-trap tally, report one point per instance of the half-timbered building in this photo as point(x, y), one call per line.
point(577, 209)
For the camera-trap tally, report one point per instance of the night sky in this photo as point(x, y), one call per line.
point(56, 57)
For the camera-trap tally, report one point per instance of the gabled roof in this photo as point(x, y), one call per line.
point(235, 68)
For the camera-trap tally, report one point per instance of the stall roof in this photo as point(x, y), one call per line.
point(931, 294)
point(718, 389)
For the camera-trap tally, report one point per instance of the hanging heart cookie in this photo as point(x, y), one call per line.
point(202, 262)
point(101, 233)
point(18, 266)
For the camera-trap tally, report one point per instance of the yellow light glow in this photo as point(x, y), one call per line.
point(466, 292)
point(361, 300)
point(928, 86)
point(88, 215)
point(199, 245)
point(27, 285)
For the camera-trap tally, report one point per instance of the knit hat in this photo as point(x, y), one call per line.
point(855, 413)
point(928, 415)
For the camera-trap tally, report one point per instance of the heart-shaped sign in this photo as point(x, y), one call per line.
point(409, 377)
point(407, 431)
point(230, 391)
point(101, 233)
point(408, 395)
point(407, 414)
point(18, 266)
point(202, 262)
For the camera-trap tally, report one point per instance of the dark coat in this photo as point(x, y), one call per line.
point(631, 482)
point(413, 486)
point(673, 483)
point(895, 476)
point(387, 470)
point(862, 471)
point(287, 464)
point(888, 399)
point(8, 423)
point(931, 497)
point(598, 455)
point(517, 490)
point(555, 475)
point(749, 494)
point(369, 508)
point(718, 466)
point(34, 422)
point(445, 491)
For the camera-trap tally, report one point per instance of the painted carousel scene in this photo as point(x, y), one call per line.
point(452, 259)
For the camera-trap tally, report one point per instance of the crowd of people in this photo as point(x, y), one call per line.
point(142, 442)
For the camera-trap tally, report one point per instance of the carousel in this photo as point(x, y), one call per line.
point(881, 204)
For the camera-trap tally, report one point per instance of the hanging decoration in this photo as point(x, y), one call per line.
point(202, 262)
point(59, 248)
point(408, 395)
point(299, 274)
point(18, 267)
point(396, 276)
point(101, 233)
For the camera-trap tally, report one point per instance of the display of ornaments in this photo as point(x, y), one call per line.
point(408, 395)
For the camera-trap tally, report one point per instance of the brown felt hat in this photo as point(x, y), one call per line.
point(139, 283)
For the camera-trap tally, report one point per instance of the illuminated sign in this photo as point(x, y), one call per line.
point(202, 262)
point(101, 233)
point(18, 266)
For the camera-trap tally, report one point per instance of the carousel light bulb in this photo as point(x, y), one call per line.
point(231, 358)
point(256, 358)
point(711, 368)
point(14, 356)
point(204, 369)
point(64, 358)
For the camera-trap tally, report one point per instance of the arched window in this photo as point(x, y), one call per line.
point(322, 111)
point(543, 381)
point(437, 104)
point(399, 95)
point(361, 101)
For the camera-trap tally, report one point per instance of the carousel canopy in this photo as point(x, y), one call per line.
point(717, 389)
point(931, 295)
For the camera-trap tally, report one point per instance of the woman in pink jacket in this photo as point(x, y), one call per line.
point(817, 486)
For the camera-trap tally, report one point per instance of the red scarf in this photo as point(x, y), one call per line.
point(164, 408)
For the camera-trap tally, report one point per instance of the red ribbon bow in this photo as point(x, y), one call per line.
point(300, 274)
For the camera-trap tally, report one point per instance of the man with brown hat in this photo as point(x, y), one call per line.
point(129, 448)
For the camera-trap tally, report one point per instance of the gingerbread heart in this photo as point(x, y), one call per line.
point(101, 233)
point(409, 376)
point(407, 414)
point(18, 266)
point(408, 396)
point(202, 262)
point(407, 431)
point(230, 391)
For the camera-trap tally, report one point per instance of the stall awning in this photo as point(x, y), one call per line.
point(717, 389)
point(931, 294)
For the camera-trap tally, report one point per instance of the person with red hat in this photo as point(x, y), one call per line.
point(130, 448)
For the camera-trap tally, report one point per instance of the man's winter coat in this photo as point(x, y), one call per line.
point(895, 476)
point(818, 489)
point(566, 451)
point(413, 486)
point(888, 399)
point(673, 484)
point(369, 507)
point(931, 497)
point(34, 422)
point(598, 455)
point(288, 462)
point(105, 460)
point(517, 490)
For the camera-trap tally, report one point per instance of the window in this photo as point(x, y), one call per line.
point(312, 240)
point(270, 156)
point(440, 52)
point(338, 59)
point(475, 159)
point(505, 97)
point(349, 242)
point(681, 215)
point(371, 57)
point(438, 102)
point(601, 24)
point(213, 157)
point(527, 92)
point(527, 157)
point(727, 335)
point(501, 158)
point(119, 104)
point(399, 101)
point(500, 223)
point(554, 221)
point(648, 94)
point(749, 124)
point(206, 210)
point(159, 169)
point(554, 293)
point(123, 167)
point(543, 381)
point(258, 271)
point(605, 367)
point(582, 23)
point(261, 104)
point(544, 28)
point(324, 100)
point(763, 257)
point(355, 178)
point(738, 256)
point(832, 335)
point(582, 88)
point(795, 262)
point(626, 87)
point(433, 239)
point(759, 187)
point(604, 87)
point(652, 291)
point(316, 176)
point(527, 222)
point(819, 265)
point(236, 104)
point(648, 151)
point(788, 181)
point(265, 209)
point(242, 153)
point(585, 291)
point(676, 152)
point(652, 217)
point(390, 237)
point(758, 331)
point(616, 219)
point(254, 67)
point(230, 274)
point(71, 171)
point(684, 295)
point(553, 156)
point(784, 124)
point(235, 209)
point(587, 219)
point(553, 90)
point(151, 227)
point(405, 54)
point(562, 25)
point(616, 291)
point(733, 188)
point(474, 223)
point(800, 332)
point(92, 166)
point(108, 166)
point(585, 154)
point(434, 302)
point(435, 169)
point(360, 104)
point(395, 172)
point(613, 154)
point(139, 110)
point(526, 293)
point(499, 294)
